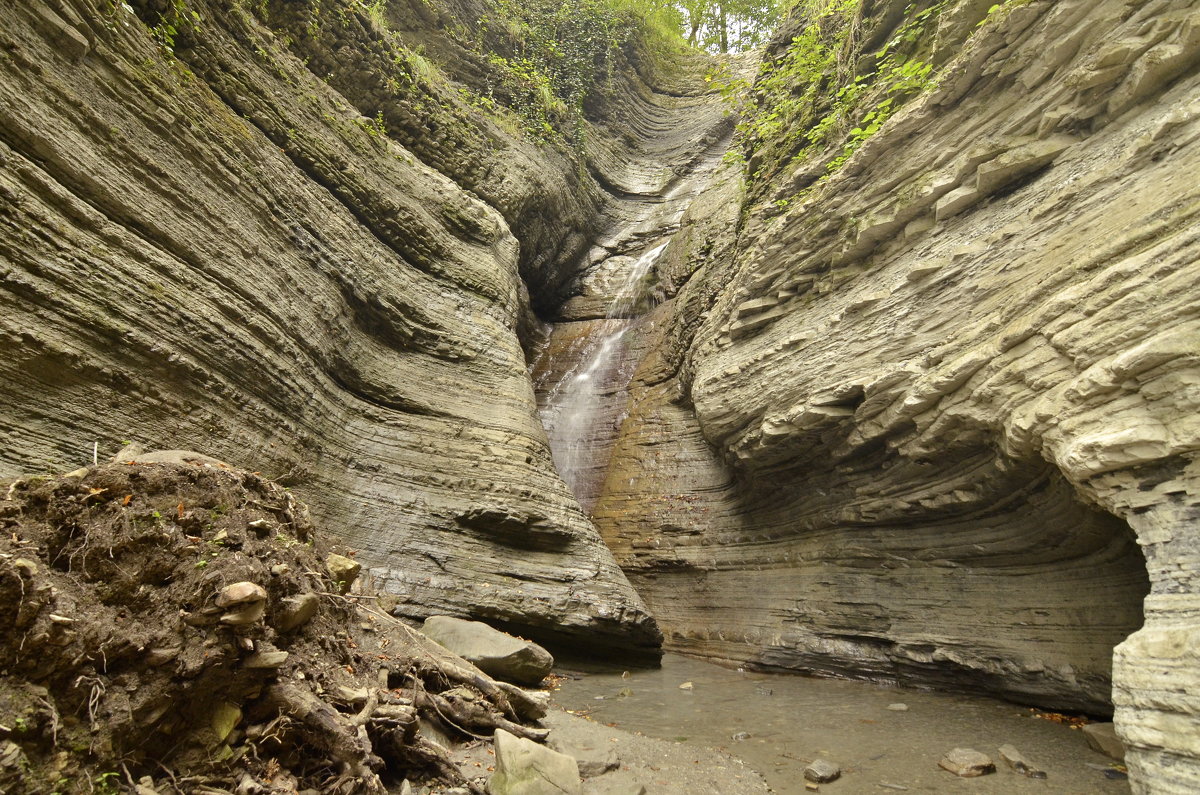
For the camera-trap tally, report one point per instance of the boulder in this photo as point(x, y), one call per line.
point(247, 603)
point(525, 768)
point(297, 611)
point(498, 654)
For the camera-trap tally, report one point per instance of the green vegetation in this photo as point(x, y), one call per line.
point(106, 783)
point(729, 25)
point(176, 19)
point(549, 55)
point(823, 96)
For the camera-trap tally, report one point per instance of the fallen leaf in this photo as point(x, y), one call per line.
point(179, 510)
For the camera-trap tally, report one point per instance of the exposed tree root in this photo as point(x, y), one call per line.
point(135, 658)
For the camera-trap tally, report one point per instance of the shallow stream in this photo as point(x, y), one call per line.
point(783, 722)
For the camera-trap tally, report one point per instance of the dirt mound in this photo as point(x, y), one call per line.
point(175, 628)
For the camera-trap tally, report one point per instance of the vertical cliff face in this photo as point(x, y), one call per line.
point(921, 404)
point(274, 233)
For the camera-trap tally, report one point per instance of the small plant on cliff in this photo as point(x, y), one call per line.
point(176, 19)
point(108, 783)
point(1000, 10)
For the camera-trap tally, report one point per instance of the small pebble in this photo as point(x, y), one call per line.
point(898, 707)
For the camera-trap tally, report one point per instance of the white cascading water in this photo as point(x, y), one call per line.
point(573, 408)
point(583, 410)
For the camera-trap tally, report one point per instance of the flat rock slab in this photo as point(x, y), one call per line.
point(594, 757)
point(967, 763)
point(495, 653)
point(525, 768)
point(1017, 761)
point(1103, 737)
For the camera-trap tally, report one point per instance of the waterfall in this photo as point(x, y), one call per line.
point(573, 411)
point(583, 399)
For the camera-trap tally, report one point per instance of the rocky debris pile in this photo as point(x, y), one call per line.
point(180, 627)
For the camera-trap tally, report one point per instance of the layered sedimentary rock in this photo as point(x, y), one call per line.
point(260, 232)
point(932, 418)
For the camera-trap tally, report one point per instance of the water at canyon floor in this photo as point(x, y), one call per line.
point(791, 720)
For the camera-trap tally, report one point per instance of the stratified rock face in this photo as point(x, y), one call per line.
point(226, 250)
point(915, 424)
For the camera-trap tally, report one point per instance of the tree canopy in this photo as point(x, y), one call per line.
point(728, 25)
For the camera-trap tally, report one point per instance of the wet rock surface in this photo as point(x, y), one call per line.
point(792, 721)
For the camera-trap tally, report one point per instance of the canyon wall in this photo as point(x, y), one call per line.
point(921, 404)
point(276, 234)
point(918, 402)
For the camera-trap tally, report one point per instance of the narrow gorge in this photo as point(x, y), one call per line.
point(870, 354)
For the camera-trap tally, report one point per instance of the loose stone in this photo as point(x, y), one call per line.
point(967, 763)
point(525, 768)
point(822, 771)
point(1019, 763)
point(1103, 737)
point(501, 655)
